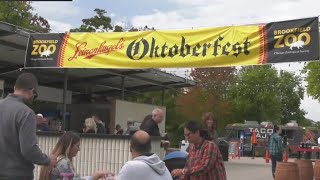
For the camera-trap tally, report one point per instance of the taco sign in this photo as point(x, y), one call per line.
point(262, 132)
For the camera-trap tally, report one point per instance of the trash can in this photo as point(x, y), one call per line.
point(224, 149)
point(175, 160)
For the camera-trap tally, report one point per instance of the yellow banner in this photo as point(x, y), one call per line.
point(225, 46)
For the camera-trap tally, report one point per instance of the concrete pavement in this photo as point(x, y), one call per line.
point(246, 168)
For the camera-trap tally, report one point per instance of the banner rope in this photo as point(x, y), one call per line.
point(9, 72)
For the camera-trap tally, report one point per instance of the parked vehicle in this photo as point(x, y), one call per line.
point(293, 133)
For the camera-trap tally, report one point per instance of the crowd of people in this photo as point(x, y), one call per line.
point(20, 150)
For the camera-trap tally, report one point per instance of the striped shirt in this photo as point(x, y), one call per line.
point(205, 162)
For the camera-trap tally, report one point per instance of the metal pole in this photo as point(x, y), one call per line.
point(65, 88)
point(162, 97)
point(122, 87)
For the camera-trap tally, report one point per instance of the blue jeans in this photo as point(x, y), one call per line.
point(274, 159)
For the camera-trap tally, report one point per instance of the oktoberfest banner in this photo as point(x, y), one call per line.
point(277, 42)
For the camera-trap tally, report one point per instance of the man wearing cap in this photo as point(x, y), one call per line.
point(42, 123)
point(19, 148)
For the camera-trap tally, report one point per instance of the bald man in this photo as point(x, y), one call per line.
point(144, 164)
point(151, 125)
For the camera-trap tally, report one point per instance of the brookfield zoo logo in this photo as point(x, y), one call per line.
point(292, 38)
point(44, 48)
point(297, 44)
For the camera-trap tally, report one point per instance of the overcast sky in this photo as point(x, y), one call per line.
point(186, 14)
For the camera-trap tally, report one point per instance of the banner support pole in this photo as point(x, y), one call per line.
point(162, 96)
point(122, 87)
point(65, 88)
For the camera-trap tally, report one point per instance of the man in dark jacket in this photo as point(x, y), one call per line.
point(100, 125)
point(19, 148)
point(151, 126)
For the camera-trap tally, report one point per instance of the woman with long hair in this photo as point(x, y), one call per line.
point(210, 126)
point(65, 150)
point(90, 126)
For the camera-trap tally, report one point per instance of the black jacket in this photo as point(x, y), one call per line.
point(151, 127)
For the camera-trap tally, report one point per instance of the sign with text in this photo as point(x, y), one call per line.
point(285, 41)
point(262, 132)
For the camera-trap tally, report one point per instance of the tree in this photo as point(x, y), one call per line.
point(313, 79)
point(262, 94)
point(209, 95)
point(254, 95)
point(99, 22)
point(118, 29)
point(21, 13)
point(291, 93)
point(133, 29)
point(102, 23)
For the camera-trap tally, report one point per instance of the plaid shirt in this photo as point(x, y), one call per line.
point(205, 162)
point(275, 144)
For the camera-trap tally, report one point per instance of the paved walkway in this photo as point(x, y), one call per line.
point(246, 168)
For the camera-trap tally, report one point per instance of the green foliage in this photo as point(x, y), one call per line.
point(260, 93)
point(254, 95)
point(99, 22)
point(291, 93)
point(209, 95)
point(133, 29)
point(312, 70)
point(118, 29)
point(308, 123)
point(21, 13)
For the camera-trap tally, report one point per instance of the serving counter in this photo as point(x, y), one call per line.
point(97, 151)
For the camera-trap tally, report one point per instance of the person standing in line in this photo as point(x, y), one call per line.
point(101, 129)
point(204, 160)
point(129, 124)
point(151, 126)
point(119, 130)
point(145, 119)
point(210, 125)
point(275, 148)
point(90, 126)
point(19, 149)
point(42, 123)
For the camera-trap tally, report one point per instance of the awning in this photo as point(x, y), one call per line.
point(109, 82)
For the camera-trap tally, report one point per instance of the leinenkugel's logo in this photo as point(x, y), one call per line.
point(43, 48)
point(88, 53)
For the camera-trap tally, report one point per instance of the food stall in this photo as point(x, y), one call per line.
point(68, 96)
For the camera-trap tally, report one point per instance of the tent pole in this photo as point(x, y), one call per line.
point(65, 88)
point(122, 87)
point(162, 97)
